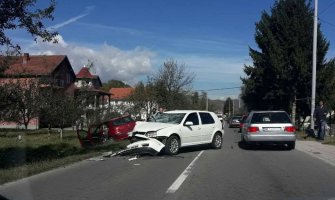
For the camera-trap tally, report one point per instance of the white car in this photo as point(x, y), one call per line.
point(181, 128)
point(220, 116)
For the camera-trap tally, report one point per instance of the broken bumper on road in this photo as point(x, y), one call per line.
point(143, 146)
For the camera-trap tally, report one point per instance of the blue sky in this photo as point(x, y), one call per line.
point(130, 39)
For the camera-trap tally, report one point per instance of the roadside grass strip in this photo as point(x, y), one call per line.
point(38, 151)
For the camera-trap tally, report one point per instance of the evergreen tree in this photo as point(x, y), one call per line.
point(282, 67)
point(114, 84)
point(228, 106)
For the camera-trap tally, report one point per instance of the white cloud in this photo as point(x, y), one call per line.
point(212, 72)
point(109, 62)
point(130, 66)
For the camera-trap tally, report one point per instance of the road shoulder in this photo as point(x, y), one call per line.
point(318, 150)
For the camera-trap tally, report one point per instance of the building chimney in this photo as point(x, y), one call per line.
point(25, 58)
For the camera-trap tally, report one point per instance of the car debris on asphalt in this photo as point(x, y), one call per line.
point(143, 146)
point(96, 159)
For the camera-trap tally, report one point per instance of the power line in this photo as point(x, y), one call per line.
point(218, 89)
point(331, 24)
point(324, 10)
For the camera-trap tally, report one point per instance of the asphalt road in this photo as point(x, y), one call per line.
point(196, 173)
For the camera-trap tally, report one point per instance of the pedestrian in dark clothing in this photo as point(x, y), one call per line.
point(154, 111)
point(320, 117)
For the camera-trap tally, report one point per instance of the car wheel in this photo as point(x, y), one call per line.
point(291, 145)
point(217, 141)
point(242, 139)
point(172, 145)
point(244, 144)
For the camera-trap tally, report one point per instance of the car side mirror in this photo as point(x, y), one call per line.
point(188, 123)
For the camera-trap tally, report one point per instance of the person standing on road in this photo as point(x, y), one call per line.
point(320, 117)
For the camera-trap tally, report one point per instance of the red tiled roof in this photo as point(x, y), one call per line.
point(34, 65)
point(121, 93)
point(84, 73)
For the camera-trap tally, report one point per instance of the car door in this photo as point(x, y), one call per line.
point(207, 126)
point(130, 123)
point(191, 134)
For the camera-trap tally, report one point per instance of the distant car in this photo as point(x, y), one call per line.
point(181, 128)
point(116, 129)
point(220, 116)
point(274, 127)
point(234, 121)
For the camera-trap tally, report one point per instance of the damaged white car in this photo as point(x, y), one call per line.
point(181, 128)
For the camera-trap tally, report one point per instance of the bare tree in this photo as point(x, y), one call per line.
point(172, 83)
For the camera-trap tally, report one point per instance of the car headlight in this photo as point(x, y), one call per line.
point(151, 134)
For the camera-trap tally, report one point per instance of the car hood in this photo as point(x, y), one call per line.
point(152, 126)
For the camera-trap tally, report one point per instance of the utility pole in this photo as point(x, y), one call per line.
point(229, 109)
point(207, 102)
point(314, 61)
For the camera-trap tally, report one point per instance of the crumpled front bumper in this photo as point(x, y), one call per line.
point(143, 146)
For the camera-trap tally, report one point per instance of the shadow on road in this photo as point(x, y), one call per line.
point(3, 198)
point(194, 148)
point(262, 147)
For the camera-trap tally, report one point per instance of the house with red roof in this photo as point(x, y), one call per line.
point(47, 70)
point(87, 82)
point(120, 99)
point(92, 83)
point(54, 68)
point(121, 93)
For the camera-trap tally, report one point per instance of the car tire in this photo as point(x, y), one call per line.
point(217, 141)
point(172, 145)
point(244, 143)
point(242, 139)
point(291, 145)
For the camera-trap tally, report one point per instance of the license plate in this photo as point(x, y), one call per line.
point(271, 129)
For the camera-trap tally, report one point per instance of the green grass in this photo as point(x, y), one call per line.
point(38, 151)
point(328, 140)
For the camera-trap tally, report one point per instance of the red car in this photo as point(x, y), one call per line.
point(116, 129)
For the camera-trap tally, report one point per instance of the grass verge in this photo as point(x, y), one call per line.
point(36, 152)
point(329, 140)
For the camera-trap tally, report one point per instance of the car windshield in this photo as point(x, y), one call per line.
point(236, 118)
point(270, 118)
point(170, 118)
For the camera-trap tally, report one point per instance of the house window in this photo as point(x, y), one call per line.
point(68, 78)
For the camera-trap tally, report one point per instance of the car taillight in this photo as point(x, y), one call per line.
point(252, 129)
point(289, 129)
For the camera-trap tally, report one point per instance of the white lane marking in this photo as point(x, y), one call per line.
point(182, 177)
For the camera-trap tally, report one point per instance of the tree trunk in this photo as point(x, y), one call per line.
point(61, 134)
point(294, 107)
point(49, 130)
